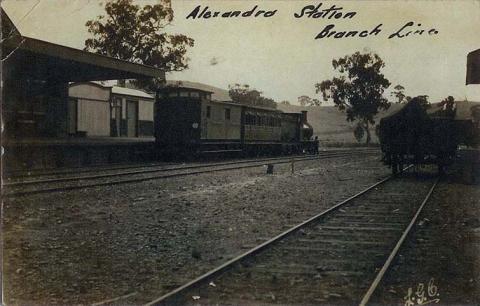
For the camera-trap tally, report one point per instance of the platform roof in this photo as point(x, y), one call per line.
point(30, 57)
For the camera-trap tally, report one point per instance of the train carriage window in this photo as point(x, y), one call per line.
point(184, 94)
point(209, 111)
point(195, 94)
point(173, 94)
point(227, 114)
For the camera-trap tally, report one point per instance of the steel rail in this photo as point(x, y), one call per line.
point(66, 171)
point(395, 250)
point(143, 179)
point(227, 265)
point(78, 178)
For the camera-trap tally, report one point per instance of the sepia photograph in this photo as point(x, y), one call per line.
point(240, 152)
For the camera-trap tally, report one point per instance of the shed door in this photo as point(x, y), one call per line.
point(132, 119)
point(116, 117)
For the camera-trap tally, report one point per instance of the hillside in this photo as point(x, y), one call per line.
point(330, 124)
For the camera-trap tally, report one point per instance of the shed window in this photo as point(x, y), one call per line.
point(227, 114)
point(209, 111)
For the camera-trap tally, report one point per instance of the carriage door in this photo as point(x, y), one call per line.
point(132, 117)
point(72, 116)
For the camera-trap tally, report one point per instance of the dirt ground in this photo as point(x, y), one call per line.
point(136, 242)
point(142, 240)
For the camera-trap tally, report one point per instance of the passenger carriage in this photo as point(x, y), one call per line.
point(189, 122)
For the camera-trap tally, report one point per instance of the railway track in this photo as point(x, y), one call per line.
point(114, 177)
point(44, 174)
point(336, 257)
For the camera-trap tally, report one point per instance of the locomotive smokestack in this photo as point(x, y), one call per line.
point(304, 116)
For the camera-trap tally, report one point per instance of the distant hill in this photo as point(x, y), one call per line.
point(330, 124)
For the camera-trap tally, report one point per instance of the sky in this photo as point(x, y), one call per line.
point(280, 56)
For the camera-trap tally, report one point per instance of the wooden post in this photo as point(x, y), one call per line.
point(293, 165)
point(1, 136)
point(1, 103)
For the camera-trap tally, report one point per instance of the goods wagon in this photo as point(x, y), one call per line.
point(411, 136)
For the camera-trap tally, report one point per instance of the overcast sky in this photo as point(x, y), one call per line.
point(280, 56)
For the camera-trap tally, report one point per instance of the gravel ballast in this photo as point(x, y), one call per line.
point(142, 240)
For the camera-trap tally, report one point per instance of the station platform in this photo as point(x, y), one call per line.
point(78, 141)
point(46, 153)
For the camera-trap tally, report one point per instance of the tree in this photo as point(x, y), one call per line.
point(302, 100)
point(136, 34)
point(307, 101)
point(358, 132)
point(359, 89)
point(243, 94)
point(423, 100)
point(399, 93)
point(284, 102)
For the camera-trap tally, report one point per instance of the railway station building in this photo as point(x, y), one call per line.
point(41, 122)
point(96, 109)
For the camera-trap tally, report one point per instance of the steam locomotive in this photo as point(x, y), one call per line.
point(188, 123)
